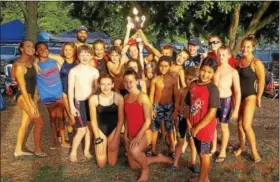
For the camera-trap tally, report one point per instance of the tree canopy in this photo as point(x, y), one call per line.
point(165, 20)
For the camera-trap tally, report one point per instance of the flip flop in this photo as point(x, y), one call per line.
point(19, 154)
point(220, 159)
point(41, 154)
point(235, 154)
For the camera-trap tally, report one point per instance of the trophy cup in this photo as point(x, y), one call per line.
point(137, 22)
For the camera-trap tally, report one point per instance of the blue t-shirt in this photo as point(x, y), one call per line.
point(48, 81)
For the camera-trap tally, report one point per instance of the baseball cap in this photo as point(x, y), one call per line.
point(82, 27)
point(193, 41)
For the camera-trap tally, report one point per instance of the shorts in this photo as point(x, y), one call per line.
point(82, 120)
point(163, 113)
point(202, 147)
point(223, 113)
point(182, 128)
point(54, 104)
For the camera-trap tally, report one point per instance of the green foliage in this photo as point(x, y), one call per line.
point(10, 11)
point(53, 17)
point(165, 20)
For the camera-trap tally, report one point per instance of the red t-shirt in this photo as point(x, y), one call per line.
point(231, 61)
point(201, 98)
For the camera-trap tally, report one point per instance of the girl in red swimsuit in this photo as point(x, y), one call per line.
point(137, 134)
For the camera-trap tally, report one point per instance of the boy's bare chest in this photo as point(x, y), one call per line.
point(164, 83)
point(86, 75)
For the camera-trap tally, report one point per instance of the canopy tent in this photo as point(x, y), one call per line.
point(44, 36)
point(163, 43)
point(70, 36)
point(14, 32)
point(177, 45)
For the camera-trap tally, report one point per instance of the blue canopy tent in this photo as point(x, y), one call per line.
point(177, 45)
point(70, 36)
point(163, 43)
point(14, 32)
point(44, 36)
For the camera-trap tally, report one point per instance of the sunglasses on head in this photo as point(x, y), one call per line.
point(214, 42)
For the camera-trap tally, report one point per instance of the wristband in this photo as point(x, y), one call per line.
point(98, 140)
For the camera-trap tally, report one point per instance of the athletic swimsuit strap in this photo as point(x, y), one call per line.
point(249, 63)
point(113, 98)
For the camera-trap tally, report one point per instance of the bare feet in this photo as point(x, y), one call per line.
point(73, 158)
point(212, 152)
point(88, 155)
point(66, 145)
point(257, 158)
point(162, 158)
point(144, 175)
point(237, 152)
point(220, 159)
point(54, 146)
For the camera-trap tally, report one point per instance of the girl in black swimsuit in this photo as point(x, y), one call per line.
point(251, 71)
point(25, 74)
point(107, 117)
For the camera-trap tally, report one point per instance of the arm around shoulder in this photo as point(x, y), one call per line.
point(57, 58)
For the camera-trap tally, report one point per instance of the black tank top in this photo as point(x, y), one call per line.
point(107, 117)
point(30, 80)
point(247, 80)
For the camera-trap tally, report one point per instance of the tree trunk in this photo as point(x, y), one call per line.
point(256, 24)
point(29, 9)
point(234, 25)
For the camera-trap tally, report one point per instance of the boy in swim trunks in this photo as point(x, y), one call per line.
point(81, 85)
point(163, 89)
point(182, 127)
point(203, 100)
point(225, 78)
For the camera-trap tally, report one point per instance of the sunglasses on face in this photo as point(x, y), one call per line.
point(214, 42)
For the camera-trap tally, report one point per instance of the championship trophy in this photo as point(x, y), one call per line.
point(137, 22)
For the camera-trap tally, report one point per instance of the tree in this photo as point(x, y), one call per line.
point(29, 10)
point(53, 17)
point(265, 14)
point(165, 20)
point(231, 20)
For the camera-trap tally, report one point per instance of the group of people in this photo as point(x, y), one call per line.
point(120, 94)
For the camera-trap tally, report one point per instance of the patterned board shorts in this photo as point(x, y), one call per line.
point(202, 147)
point(163, 113)
point(223, 113)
